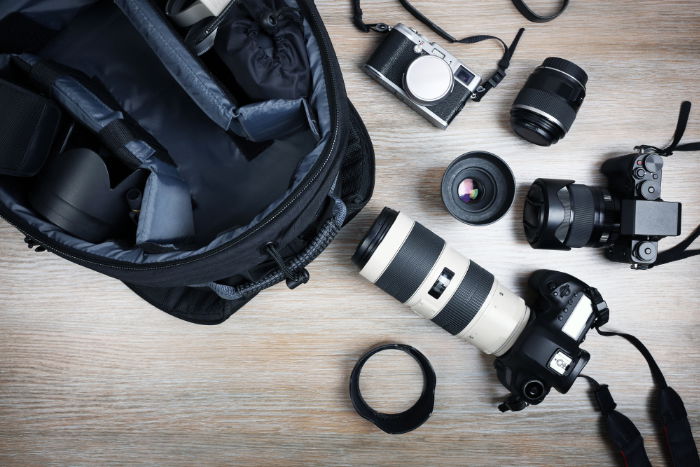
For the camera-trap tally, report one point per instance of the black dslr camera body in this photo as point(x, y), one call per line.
point(547, 353)
point(537, 347)
point(423, 75)
point(628, 218)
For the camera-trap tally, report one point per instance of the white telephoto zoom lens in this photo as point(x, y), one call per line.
point(417, 267)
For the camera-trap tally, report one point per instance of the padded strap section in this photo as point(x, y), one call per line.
point(196, 305)
point(534, 17)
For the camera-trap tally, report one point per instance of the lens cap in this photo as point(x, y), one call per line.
point(478, 188)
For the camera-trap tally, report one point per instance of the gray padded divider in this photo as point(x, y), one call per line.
point(166, 210)
point(258, 122)
point(181, 64)
point(274, 119)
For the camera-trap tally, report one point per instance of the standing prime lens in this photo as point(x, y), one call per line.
point(416, 267)
point(478, 188)
point(546, 107)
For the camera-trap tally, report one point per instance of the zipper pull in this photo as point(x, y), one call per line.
point(31, 243)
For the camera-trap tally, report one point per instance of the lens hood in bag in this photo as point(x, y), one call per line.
point(75, 192)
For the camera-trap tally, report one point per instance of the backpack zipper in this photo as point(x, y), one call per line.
point(333, 69)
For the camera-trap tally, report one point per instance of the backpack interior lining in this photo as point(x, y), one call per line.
point(231, 192)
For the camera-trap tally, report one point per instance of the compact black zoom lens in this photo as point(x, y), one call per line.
point(546, 107)
point(560, 215)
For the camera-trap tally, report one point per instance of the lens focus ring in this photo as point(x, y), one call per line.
point(411, 264)
point(583, 207)
point(466, 301)
point(553, 108)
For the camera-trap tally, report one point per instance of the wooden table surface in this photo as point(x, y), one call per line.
point(90, 374)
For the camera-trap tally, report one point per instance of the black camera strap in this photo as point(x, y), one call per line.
point(534, 17)
point(487, 85)
point(683, 115)
point(679, 251)
point(670, 411)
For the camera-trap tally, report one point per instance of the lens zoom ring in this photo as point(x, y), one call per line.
point(412, 263)
point(584, 210)
point(466, 301)
point(550, 105)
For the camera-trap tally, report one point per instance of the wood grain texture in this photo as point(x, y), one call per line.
point(90, 374)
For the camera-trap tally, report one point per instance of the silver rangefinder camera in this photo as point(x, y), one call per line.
point(423, 75)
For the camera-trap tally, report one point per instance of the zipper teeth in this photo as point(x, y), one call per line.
point(324, 49)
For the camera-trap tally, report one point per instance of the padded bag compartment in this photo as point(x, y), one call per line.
point(27, 131)
point(243, 192)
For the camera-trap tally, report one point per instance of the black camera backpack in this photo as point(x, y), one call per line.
point(219, 222)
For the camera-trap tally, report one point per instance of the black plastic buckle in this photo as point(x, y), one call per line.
point(302, 277)
point(513, 403)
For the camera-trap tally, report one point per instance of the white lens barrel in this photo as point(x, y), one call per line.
point(499, 323)
point(197, 11)
point(418, 268)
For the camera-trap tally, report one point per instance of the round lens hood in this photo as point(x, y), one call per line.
point(547, 216)
point(492, 184)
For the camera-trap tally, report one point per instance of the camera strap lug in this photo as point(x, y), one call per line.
point(600, 307)
point(503, 65)
point(380, 27)
point(513, 404)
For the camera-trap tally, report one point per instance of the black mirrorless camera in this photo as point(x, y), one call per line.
point(628, 218)
point(537, 348)
point(423, 75)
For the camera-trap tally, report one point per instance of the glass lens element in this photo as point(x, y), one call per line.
point(469, 190)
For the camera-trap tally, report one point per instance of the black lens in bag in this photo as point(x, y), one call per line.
point(546, 107)
point(85, 196)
